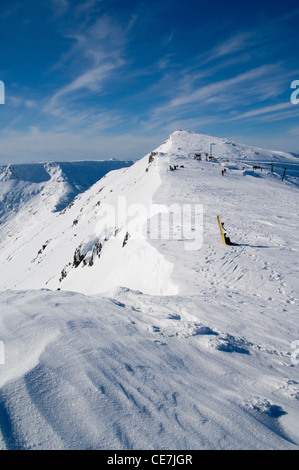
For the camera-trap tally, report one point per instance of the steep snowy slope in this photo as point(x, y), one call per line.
point(47, 186)
point(31, 194)
point(160, 336)
point(83, 248)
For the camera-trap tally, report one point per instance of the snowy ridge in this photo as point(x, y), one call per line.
point(50, 186)
point(187, 142)
point(147, 344)
point(73, 244)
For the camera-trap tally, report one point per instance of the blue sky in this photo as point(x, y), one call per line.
point(96, 79)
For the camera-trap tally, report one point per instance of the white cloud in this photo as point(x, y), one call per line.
point(91, 79)
point(264, 110)
point(228, 93)
point(60, 6)
point(232, 45)
point(17, 101)
point(96, 53)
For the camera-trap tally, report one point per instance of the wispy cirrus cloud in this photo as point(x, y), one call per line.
point(95, 67)
point(262, 38)
point(96, 53)
point(262, 111)
point(60, 6)
point(229, 92)
point(93, 80)
point(234, 44)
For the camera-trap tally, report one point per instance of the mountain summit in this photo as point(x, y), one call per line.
point(101, 239)
point(126, 323)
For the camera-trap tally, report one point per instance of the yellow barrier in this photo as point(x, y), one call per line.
point(221, 230)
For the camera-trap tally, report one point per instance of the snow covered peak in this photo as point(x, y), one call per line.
point(74, 246)
point(178, 348)
point(187, 143)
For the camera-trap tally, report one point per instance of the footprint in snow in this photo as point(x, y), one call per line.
point(174, 316)
point(119, 304)
point(160, 343)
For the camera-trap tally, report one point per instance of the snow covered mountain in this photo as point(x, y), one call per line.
point(126, 322)
point(80, 247)
point(47, 186)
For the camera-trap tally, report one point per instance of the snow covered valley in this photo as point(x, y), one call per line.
point(114, 338)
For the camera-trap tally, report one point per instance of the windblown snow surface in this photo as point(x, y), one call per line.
point(114, 338)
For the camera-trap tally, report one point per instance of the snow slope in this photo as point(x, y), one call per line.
point(45, 255)
point(177, 342)
point(49, 186)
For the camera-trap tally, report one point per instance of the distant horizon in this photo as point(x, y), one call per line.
point(41, 162)
point(132, 159)
point(100, 79)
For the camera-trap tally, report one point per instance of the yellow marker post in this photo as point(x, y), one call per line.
point(221, 230)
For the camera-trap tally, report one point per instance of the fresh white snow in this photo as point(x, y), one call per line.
point(117, 339)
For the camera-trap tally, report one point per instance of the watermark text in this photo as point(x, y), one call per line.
point(2, 92)
point(295, 94)
point(182, 222)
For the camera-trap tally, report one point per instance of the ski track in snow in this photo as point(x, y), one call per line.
point(173, 349)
